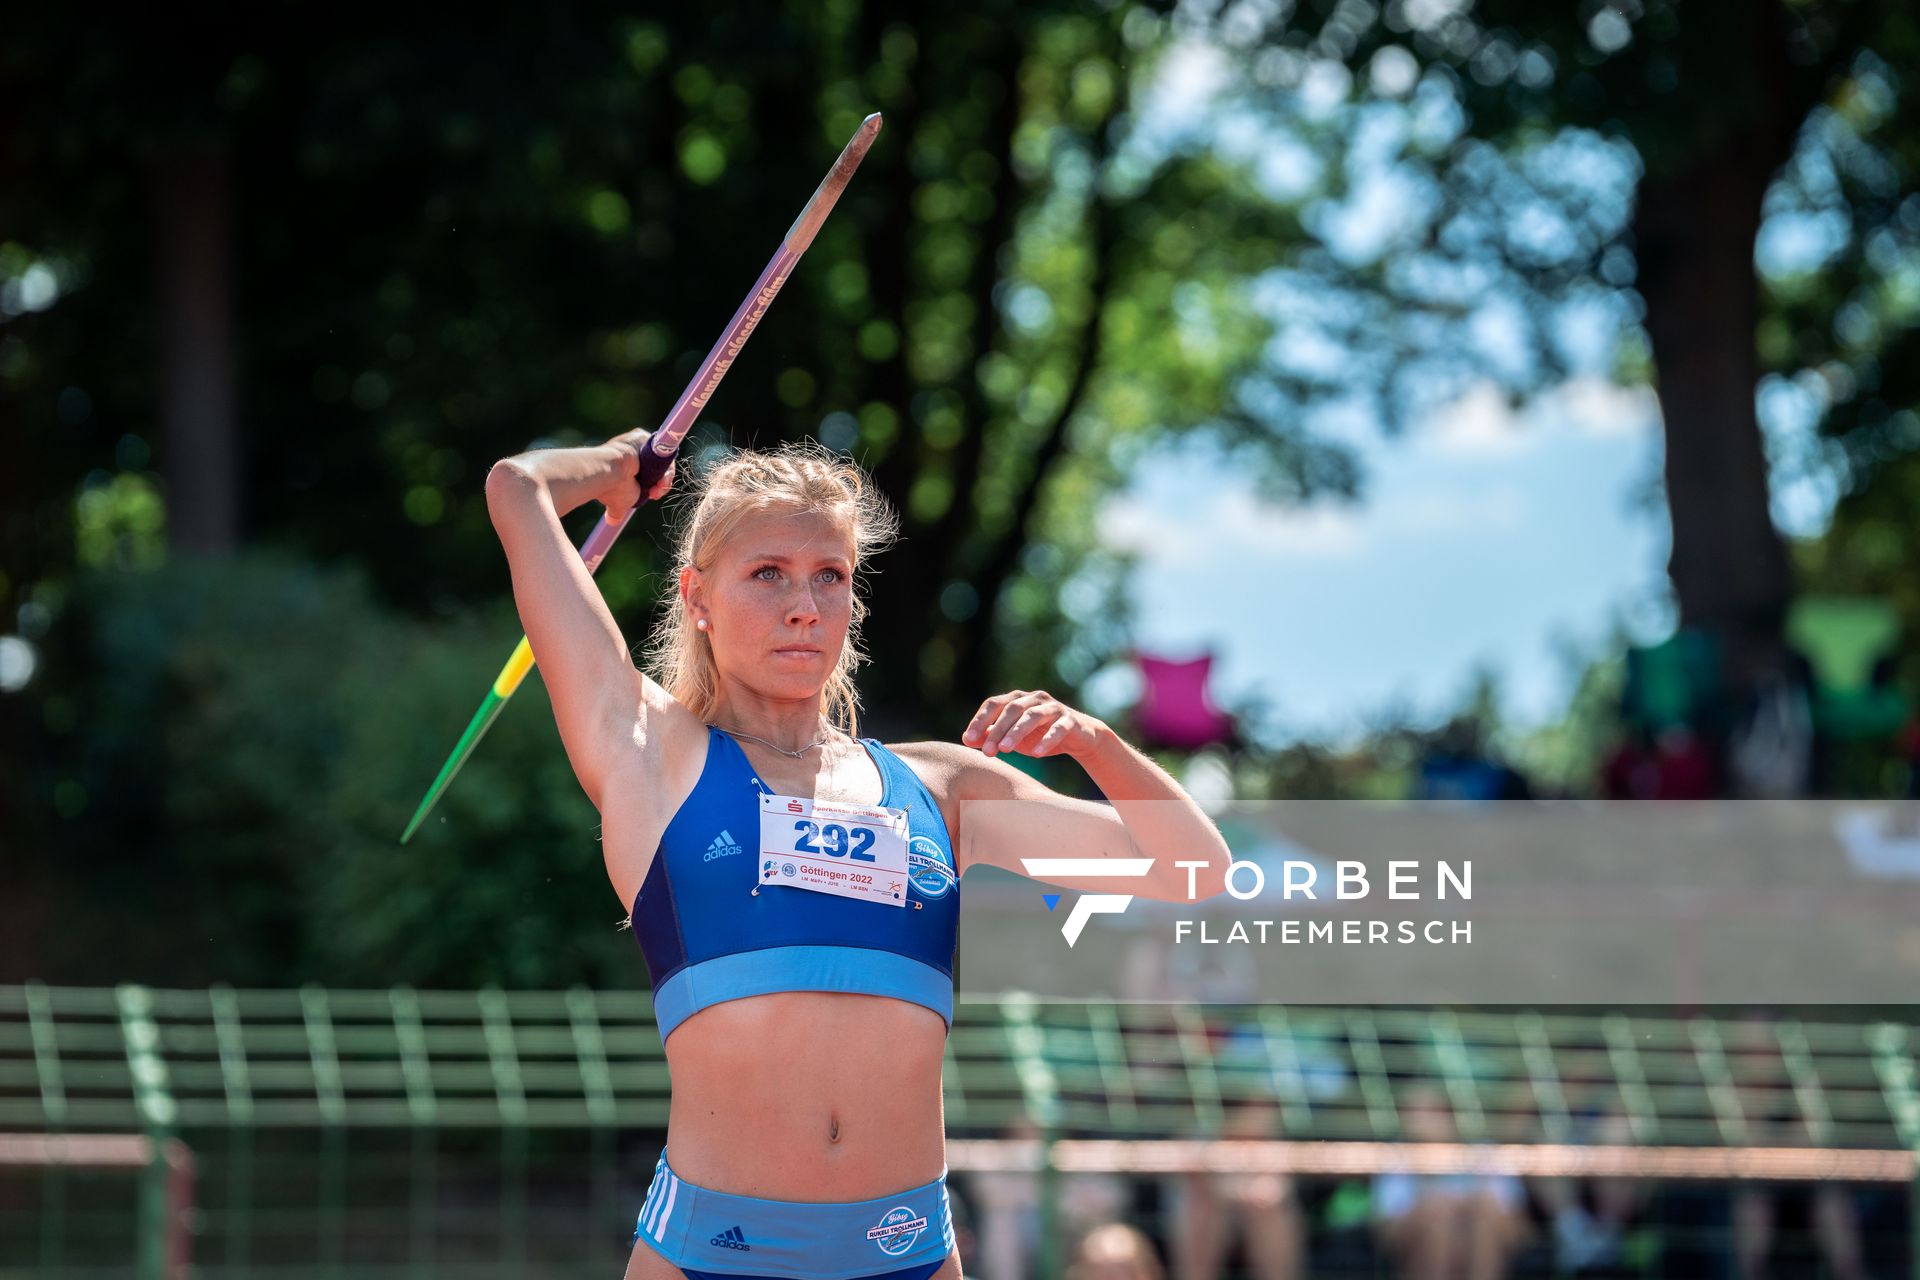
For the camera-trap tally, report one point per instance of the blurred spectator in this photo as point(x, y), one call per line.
point(1773, 1119)
point(1591, 1215)
point(1829, 1210)
point(1910, 752)
point(1673, 764)
point(1770, 752)
point(1089, 1199)
point(1114, 1251)
point(1463, 1226)
point(1457, 766)
point(1008, 1203)
point(1207, 1207)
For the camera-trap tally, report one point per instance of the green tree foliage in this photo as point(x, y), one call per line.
point(452, 244)
point(448, 242)
point(224, 774)
point(1542, 169)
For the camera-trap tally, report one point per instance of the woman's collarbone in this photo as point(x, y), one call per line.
point(872, 787)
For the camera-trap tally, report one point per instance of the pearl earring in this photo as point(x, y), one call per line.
point(702, 624)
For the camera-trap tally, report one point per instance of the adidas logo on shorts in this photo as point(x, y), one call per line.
point(723, 844)
point(732, 1239)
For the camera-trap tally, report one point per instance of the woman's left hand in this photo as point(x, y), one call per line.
point(1032, 723)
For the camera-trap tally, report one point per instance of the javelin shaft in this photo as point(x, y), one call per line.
point(664, 443)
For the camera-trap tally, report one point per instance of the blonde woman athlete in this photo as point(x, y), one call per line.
point(794, 888)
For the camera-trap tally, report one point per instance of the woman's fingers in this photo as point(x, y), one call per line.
point(634, 442)
point(620, 500)
point(999, 726)
point(624, 494)
point(1029, 722)
point(1045, 738)
point(1001, 734)
point(976, 729)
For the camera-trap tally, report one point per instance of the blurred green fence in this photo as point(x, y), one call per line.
point(499, 1133)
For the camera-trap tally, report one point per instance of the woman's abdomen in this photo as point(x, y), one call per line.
point(807, 1095)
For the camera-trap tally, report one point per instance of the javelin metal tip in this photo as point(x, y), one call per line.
point(800, 234)
point(855, 150)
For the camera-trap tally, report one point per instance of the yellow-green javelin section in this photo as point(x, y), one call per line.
point(503, 686)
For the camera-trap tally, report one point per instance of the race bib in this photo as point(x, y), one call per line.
point(854, 850)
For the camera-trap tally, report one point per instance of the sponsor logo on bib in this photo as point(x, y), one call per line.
point(929, 867)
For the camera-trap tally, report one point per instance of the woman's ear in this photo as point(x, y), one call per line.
point(693, 598)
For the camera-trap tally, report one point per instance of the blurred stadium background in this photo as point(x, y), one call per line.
point(277, 286)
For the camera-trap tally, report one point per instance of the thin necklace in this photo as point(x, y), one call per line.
point(782, 750)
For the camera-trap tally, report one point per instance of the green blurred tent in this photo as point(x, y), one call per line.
point(1845, 640)
point(1675, 682)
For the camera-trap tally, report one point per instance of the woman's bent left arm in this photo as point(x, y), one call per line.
point(1008, 816)
point(1165, 823)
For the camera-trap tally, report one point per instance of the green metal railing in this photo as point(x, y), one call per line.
point(412, 1132)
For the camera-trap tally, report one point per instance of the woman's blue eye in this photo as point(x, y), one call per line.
point(837, 575)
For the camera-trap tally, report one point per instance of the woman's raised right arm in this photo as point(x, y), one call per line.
point(600, 700)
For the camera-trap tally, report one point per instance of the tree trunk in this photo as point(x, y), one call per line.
point(977, 649)
point(1694, 233)
point(195, 304)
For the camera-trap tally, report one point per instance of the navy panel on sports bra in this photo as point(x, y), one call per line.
point(708, 937)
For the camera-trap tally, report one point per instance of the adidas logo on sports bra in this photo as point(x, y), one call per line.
point(731, 1238)
point(723, 844)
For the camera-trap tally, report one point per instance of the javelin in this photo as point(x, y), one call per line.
point(664, 444)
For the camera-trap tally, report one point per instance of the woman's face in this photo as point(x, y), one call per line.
point(778, 601)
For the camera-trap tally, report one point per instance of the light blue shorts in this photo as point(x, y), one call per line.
point(907, 1235)
point(1395, 1193)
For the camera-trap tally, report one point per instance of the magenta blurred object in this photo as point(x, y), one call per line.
point(1175, 711)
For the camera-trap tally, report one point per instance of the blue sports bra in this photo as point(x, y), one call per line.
point(711, 932)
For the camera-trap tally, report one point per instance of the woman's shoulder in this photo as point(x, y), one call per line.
point(953, 770)
point(929, 756)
